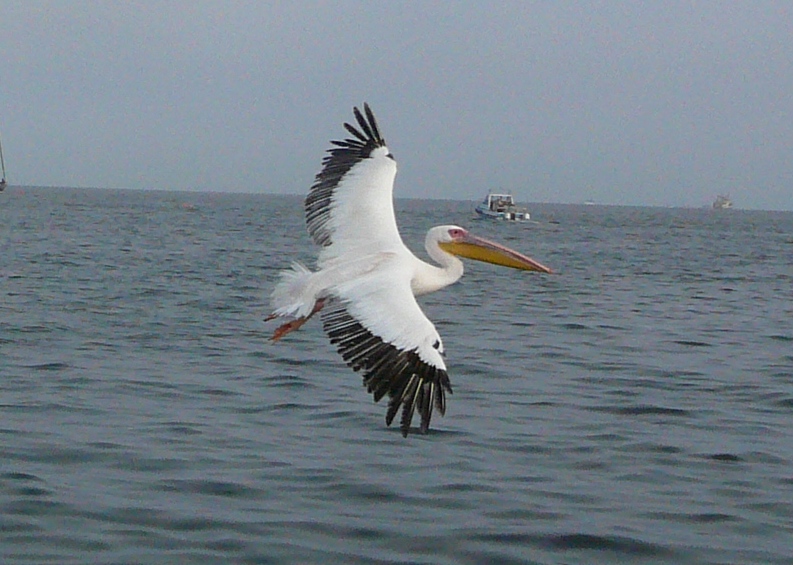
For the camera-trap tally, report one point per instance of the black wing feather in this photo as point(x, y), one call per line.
point(363, 123)
point(372, 122)
point(353, 131)
point(409, 382)
point(335, 165)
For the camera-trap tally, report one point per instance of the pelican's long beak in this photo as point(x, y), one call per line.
point(479, 249)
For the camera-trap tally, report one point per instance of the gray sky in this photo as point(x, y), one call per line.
point(656, 103)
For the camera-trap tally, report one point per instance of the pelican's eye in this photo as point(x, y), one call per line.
point(456, 233)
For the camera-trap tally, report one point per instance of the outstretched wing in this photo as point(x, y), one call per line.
point(381, 332)
point(350, 204)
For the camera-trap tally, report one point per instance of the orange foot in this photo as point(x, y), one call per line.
point(293, 325)
point(290, 326)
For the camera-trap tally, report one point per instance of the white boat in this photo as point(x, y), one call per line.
point(502, 207)
point(722, 202)
point(3, 164)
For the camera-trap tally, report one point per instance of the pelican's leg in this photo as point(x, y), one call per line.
point(295, 324)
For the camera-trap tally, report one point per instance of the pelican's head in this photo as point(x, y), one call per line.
point(458, 241)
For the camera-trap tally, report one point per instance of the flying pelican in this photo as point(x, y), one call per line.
point(367, 279)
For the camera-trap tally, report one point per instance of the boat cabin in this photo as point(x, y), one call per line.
point(502, 207)
point(499, 202)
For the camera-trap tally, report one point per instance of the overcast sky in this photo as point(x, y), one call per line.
point(649, 103)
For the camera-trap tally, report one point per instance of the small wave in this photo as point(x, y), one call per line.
point(641, 410)
point(724, 457)
point(690, 343)
point(619, 544)
point(334, 415)
point(785, 403)
point(218, 392)
point(31, 491)
point(61, 455)
point(462, 488)
point(48, 408)
point(288, 406)
point(778, 337)
point(288, 381)
point(657, 448)
point(48, 366)
point(183, 428)
point(207, 487)
point(18, 476)
point(580, 541)
point(370, 493)
point(694, 518)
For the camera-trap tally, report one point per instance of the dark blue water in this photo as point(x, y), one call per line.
point(637, 407)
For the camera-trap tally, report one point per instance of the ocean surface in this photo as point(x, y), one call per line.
point(634, 407)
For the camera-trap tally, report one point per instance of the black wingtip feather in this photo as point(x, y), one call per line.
point(411, 384)
point(409, 401)
point(372, 121)
point(355, 132)
point(363, 123)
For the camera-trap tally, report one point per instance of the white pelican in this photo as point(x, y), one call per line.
point(367, 279)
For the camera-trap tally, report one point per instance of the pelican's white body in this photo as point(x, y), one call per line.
point(369, 267)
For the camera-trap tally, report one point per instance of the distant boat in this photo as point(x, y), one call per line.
point(502, 207)
point(3, 164)
point(722, 202)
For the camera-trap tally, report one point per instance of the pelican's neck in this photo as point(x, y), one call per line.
point(430, 278)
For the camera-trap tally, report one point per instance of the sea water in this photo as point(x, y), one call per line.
point(634, 407)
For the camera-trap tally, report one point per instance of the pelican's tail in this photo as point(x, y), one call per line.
point(293, 296)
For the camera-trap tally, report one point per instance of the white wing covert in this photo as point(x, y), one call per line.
point(350, 203)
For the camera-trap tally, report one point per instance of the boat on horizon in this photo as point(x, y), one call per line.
point(502, 207)
point(722, 202)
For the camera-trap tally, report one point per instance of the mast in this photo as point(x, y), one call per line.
point(3, 165)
